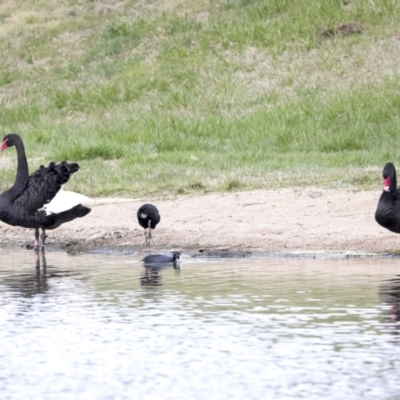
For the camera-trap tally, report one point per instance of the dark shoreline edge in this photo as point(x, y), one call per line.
point(76, 247)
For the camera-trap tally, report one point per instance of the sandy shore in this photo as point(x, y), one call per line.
point(263, 221)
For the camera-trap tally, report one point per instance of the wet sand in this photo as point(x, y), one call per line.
point(295, 220)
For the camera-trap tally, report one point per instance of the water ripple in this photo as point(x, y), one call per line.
point(104, 327)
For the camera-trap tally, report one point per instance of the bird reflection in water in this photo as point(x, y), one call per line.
point(31, 283)
point(389, 293)
point(40, 257)
point(151, 276)
point(153, 266)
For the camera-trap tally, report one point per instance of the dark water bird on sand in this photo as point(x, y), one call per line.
point(28, 202)
point(162, 260)
point(388, 211)
point(148, 218)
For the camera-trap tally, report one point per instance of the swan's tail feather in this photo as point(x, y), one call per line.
point(78, 211)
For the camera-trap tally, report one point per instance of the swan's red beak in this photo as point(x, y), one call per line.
point(386, 184)
point(4, 145)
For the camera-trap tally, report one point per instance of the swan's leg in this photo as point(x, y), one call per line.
point(43, 237)
point(145, 236)
point(36, 238)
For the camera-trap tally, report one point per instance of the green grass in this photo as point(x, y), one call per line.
point(196, 96)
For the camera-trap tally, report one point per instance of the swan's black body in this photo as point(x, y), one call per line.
point(20, 205)
point(162, 258)
point(148, 218)
point(388, 211)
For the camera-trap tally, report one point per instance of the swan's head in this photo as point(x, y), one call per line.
point(389, 176)
point(10, 140)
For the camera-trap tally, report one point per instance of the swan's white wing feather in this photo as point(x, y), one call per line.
point(64, 201)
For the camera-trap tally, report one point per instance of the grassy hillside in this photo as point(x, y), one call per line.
point(178, 96)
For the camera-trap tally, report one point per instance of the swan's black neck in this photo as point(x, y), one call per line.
point(393, 182)
point(22, 169)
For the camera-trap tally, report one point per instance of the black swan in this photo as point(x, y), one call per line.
point(388, 211)
point(163, 258)
point(28, 203)
point(148, 217)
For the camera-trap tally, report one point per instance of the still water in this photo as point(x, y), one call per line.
point(104, 327)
